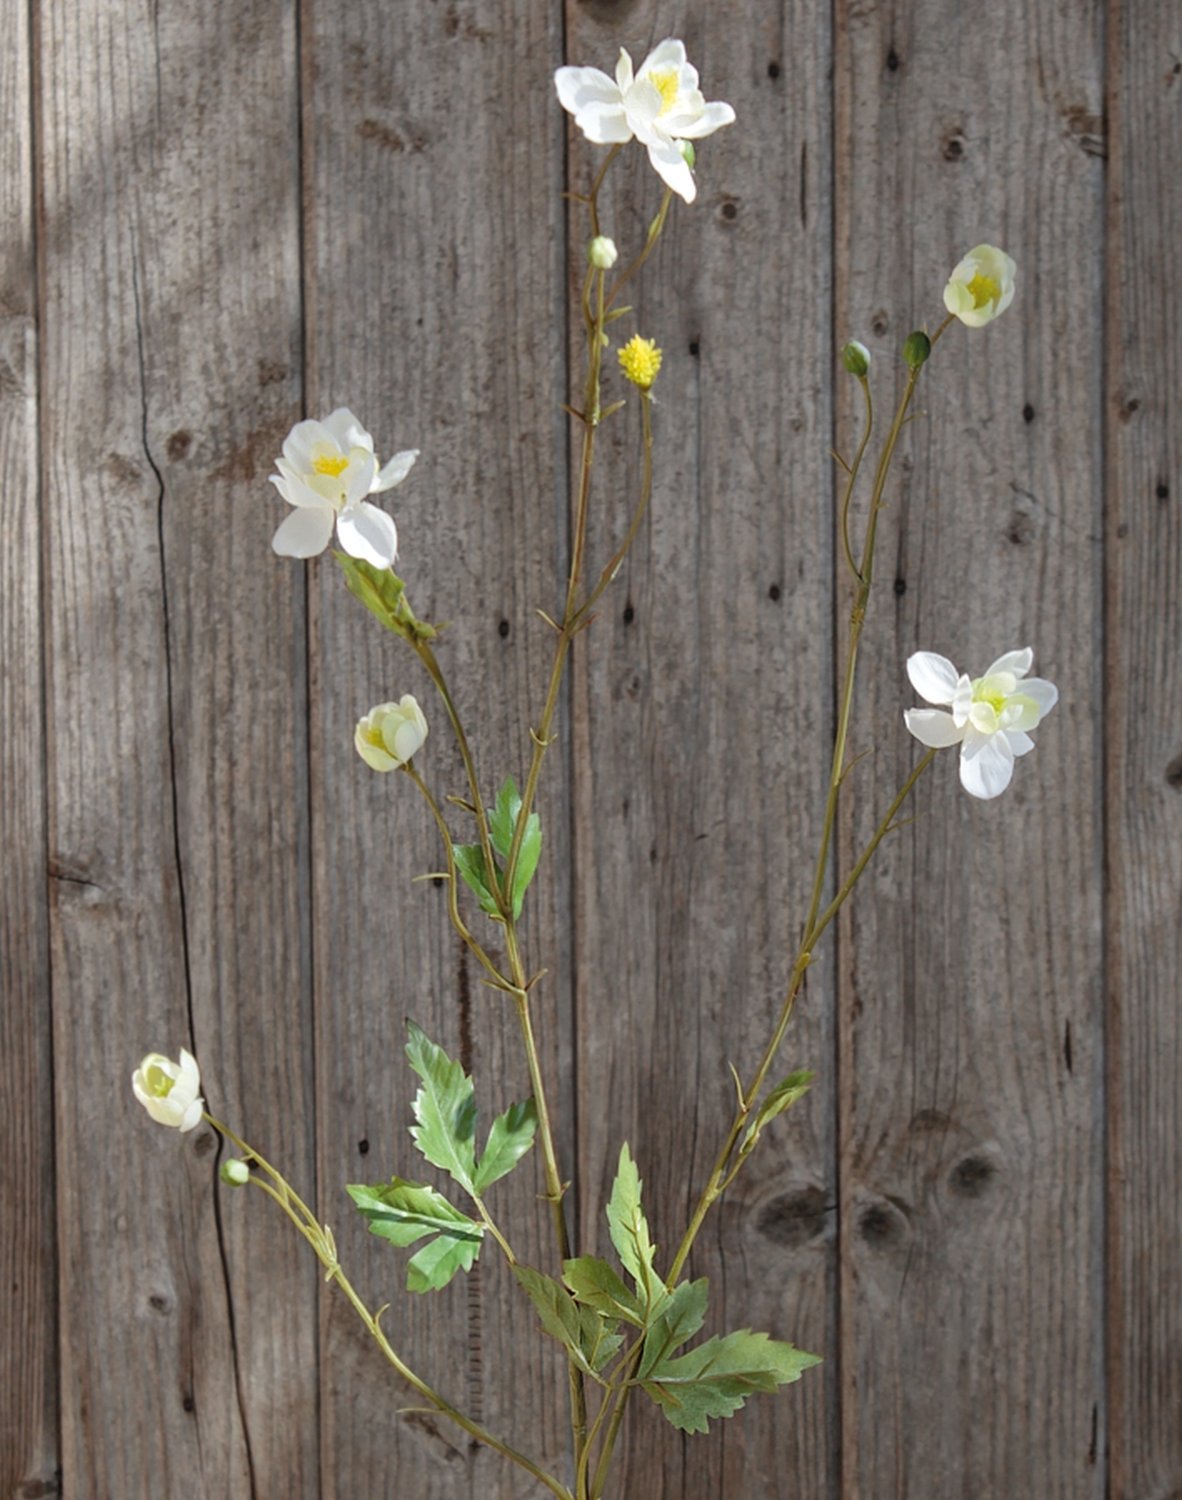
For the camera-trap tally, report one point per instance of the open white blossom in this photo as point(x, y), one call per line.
point(169, 1090)
point(660, 105)
point(326, 470)
point(391, 733)
point(981, 286)
point(990, 718)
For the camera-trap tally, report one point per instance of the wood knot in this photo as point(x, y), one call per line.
point(178, 445)
point(880, 1225)
point(793, 1219)
point(971, 1176)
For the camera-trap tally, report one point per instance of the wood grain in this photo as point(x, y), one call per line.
point(28, 1330)
point(178, 822)
point(970, 1005)
point(1143, 719)
point(703, 703)
point(433, 219)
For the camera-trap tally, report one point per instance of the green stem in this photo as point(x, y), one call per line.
point(853, 479)
point(321, 1242)
point(646, 490)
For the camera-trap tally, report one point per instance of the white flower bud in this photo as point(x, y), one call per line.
point(602, 253)
point(391, 733)
point(169, 1090)
point(234, 1172)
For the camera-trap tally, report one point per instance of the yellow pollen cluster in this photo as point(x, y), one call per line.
point(330, 464)
point(640, 359)
point(665, 82)
point(983, 290)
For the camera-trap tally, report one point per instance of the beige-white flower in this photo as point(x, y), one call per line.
point(990, 718)
point(326, 470)
point(660, 104)
point(169, 1090)
point(391, 733)
point(981, 287)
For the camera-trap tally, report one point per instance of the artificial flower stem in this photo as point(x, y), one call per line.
point(321, 1242)
point(453, 898)
point(654, 234)
point(435, 672)
point(852, 479)
point(646, 489)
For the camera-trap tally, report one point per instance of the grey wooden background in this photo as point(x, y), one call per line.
point(219, 217)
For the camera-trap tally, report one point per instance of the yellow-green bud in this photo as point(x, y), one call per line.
point(234, 1173)
point(856, 358)
point(916, 348)
point(688, 153)
point(602, 253)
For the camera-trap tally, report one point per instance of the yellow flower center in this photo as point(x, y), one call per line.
point(640, 359)
point(330, 463)
point(665, 82)
point(157, 1082)
point(984, 290)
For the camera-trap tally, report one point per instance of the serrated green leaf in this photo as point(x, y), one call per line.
point(403, 1212)
point(469, 860)
point(503, 817)
point(682, 1314)
point(715, 1379)
point(629, 1228)
point(445, 1108)
point(431, 1268)
point(595, 1284)
point(590, 1338)
point(782, 1097)
point(510, 1136)
point(527, 861)
point(501, 825)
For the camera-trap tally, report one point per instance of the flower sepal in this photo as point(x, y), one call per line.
point(384, 594)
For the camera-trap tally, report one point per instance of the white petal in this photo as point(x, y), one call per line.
point(578, 87)
point(305, 533)
point(396, 470)
point(667, 54)
point(1017, 662)
point(347, 432)
point(712, 118)
point(933, 677)
point(624, 74)
point(1020, 741)
point(359, 478)
point(299, 442)
point(642, 104)
point(673, 169)
point(933, 727)
point(369, 533)
point(604, 124)
point(407, 741)
point(962, 699)
point(189, 1077)
point(1044, 693)
point(192, 1116)
point(986, 764)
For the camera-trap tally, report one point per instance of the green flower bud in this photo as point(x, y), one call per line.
point(602, 253)
point(234, 1173)
point(687, 150)
point(916, 348)
point(856, 358)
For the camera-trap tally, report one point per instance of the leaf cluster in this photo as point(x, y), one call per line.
point(502, 825)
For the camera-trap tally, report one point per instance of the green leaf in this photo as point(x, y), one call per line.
point(590, 1338)
point(715, 1379)
point(403, 1212)
point(432, 1267)
point(501, 825)
point(509, 1138)
point(782, 1097)
point(629, 1228)
point(680, 1318)
point(445, 1108)
point(527, 861)
point(503, 818)
point(469, 860)
point(594, 1283)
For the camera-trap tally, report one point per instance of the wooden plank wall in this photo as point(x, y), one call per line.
point(218, 218)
